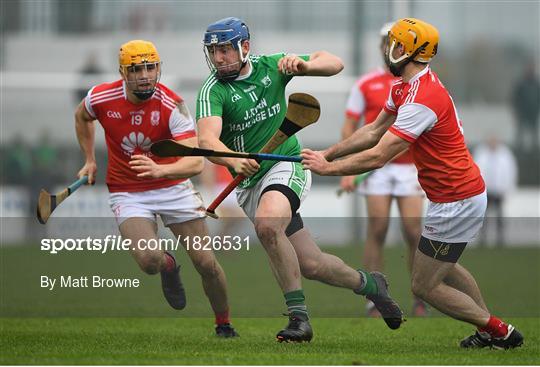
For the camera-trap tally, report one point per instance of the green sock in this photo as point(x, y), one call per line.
point(295, 304)
point(368, 286)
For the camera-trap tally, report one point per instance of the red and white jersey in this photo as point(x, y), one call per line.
point(428, 119)
point(131, 129)
point(367, 99)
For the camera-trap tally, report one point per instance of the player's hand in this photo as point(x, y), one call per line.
point(315, 161)
point(292, 65)
point(347, 183)
point(89, 169)
point(145, 167)
point(326, 155)
point(246, 167)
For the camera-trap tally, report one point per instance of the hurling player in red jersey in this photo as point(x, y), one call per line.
point(420, 115)
point(396, 180)
point(134, 112)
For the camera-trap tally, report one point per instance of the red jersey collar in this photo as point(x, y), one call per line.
point(419, 75)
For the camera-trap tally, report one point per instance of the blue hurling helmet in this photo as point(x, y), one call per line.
point(226, 31)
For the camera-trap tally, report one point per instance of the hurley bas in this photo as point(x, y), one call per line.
point(94, 281)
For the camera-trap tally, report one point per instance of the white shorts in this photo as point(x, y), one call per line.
point(174, 204)
point(394, 179)
point(458, 221)
point(283, 173)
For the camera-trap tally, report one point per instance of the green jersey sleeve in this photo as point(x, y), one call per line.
point(210, 98)
point(276, 57)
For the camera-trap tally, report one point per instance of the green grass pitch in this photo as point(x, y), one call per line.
point(190, 341)
point(115, 326)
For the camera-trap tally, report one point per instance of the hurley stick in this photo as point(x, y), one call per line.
point(172, 148)
point(48, 202)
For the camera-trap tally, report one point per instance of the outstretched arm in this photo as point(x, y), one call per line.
point(364, 138)
point(321, 63)
point(390, 146)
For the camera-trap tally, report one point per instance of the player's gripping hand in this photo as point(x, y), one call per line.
point(347, 183)
point(145, 167)
point(315, 161)
point(89, 169)
point(293, 65)
point(246, 167)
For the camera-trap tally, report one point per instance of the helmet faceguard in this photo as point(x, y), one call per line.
point(396, 66)
point(140, 80)
point(383, 33)
point(418, 39)
point(226, 32)
point(140, 66)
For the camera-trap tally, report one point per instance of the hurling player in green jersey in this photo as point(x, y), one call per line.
point(239, 107)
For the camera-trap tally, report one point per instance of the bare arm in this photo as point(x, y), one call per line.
point(349, 127)
point(209, 132)
point(321, 63)
point(364, 138)
point(185, 167)
point(389, 147)
point(85, 129)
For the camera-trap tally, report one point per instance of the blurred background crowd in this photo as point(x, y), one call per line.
point(53, 51)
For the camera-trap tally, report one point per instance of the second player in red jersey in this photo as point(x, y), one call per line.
point(428, 120)
point(421, 116)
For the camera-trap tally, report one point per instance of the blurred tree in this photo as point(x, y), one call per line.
point(45, 162)
point(16, 163)
point(526, 107)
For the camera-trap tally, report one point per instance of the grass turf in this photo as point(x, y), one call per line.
point(190, 341)
point(135, 326)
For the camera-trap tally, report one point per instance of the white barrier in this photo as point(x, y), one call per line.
point(327, 216)
point(14, 203)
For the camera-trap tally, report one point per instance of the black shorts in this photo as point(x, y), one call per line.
point(296, 223)
point(442, 251)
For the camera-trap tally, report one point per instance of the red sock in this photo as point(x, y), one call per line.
point(495, 327)
point(170, 263)
point(222, 318)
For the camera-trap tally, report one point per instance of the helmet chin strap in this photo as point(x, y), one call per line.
point(396, 68)
point(229, 77)
point(144, 95)
point(243, 58)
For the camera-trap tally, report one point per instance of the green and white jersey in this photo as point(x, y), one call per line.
point(252, 108)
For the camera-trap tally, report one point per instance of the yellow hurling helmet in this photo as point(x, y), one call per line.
point(419, 39)
point(137, 52)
